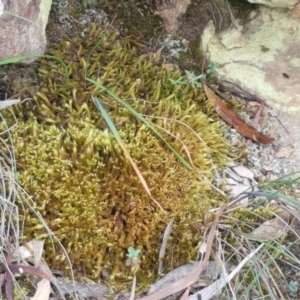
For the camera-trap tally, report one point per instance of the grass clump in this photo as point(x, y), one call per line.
point(268, 224)
point(82, 183)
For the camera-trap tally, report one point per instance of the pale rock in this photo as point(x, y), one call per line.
point(276, 3)
point(170, 11)
point(285, 151)
point(23, 26)
point(231, 181)
point(231, 174)
point(244, 172)
point(267, 168)
point(236, 190)
point(267, 67)
point(273, 112)
point(233, 38)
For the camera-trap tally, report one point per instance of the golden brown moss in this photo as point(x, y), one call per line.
point(80, 180)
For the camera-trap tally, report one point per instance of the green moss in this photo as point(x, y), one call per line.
point(192, 59)
point(79, 178)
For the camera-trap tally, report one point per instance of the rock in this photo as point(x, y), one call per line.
point(244, 172)
point(286, 151)
point(170, 11)
point(296, 11)
point(276, 3)
point(268, 66)
point(23, 26)
point(233, 38)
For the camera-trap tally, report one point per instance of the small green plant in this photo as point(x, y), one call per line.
point(133, 259)
point(211, 69)
point(294, 288)
point(84, 4)
point(192, 80)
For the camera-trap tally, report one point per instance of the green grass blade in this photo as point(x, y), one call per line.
point(274, 194)
point(114, 131)
point(90, 54)
point(95, 47)
point(107, 118)
point(140, 117)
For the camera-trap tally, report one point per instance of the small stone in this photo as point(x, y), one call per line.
point(267, 168)
point(273, 112)
point(232, 175)
point(231, 181)
point(244, 172)
point(285, 152)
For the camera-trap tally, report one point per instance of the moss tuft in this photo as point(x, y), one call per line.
point(79, 178)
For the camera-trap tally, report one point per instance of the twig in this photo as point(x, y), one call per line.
point(132, 294)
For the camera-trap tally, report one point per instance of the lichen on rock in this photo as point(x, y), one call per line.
point(79, 178)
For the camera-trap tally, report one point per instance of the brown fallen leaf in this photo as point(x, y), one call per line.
point(271, 229)
point(255, 121)
point(233, 119)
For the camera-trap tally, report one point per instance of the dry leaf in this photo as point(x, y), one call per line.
point(29, 270)
point(7, 103)
point(132, 294)
point(37, 247)
point(43, 290)
point(203, 246)
point(212, 271)
point(22, 252)
point(193, 277)
point(256, 119)
point(271, 229)
point(185, 296)
point(175, 275)
point(233, 119)
point(163, 247)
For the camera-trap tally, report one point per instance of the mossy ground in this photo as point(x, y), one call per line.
point(81, 181)
point(79, 178)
